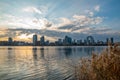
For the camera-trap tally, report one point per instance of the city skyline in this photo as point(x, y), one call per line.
point(21, 19)
point(66, 41)
point(36, 37)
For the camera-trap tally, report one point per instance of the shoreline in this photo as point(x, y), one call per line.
point(53, 45)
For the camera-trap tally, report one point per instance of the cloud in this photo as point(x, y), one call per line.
point(24, 37)
point(83, 20)
point(22, 28)
point(91, 14)
point(32, 10)
point(69, 26)
point(27, 34)
point(25, 22)
point(64, 24)
point(78, 23)
point(64, 21)
point(3, 32)
point(97, 8)
point(48, 24)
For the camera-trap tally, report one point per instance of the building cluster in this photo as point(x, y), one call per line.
point(42, 41)
point(10, 42)
point(66, 41)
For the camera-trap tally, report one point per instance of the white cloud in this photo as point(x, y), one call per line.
point(26, 22)
point(98, 20)
point(91, 14)
point(32, 10)
point(3, 30)
point(79, 17)
point(64, 21)
point(97, 8)
point(25, 36)
point(76, 24)
point(82, 20)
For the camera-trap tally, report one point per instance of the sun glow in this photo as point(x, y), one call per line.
point(25, 36)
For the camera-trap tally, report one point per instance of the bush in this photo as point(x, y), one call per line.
point(104, 66)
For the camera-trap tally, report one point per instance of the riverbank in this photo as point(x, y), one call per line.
point(104, 66)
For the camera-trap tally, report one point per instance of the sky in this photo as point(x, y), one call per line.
point(21, 19)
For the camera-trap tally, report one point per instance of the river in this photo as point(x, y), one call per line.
point(42, 63)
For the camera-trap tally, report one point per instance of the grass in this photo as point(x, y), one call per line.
point(104, 66)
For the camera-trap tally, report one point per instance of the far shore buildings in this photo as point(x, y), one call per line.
point(42, 40)
point(66, 41)
point(35, 40)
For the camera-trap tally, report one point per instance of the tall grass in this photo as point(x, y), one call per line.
point(104, 66)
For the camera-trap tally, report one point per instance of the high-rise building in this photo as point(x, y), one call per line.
point(42, 40)
point(74, 41)
point(47, 42)
point(10, 40)
point(79, 41)
point(107, 40)
point(85, 41)
point(112, 40)
point(59, 41)
point(35, 40)
point(67, 40)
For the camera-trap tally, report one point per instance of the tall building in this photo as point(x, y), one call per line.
point(79, 41)
point(67, 40)
point(107, 40)
point(35, 40)
point(59, 41)
point(85, 41)
point(42, 40)
point(10, 40)
point(47, 42)
point(112, 41)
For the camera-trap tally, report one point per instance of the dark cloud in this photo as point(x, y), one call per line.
point(48, 24)
point(59, 34)
point(69, 26)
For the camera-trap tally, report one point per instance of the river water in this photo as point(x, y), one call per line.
point(41, 63)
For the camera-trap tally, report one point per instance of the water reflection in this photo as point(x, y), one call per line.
point(89, 50)
point(40, 63)
point(10, 56)
point(80, 49)
point(68, 52)
point(35, 53)
point(10, 48)
point(42, 53)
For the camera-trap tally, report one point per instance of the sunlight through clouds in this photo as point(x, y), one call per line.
point(25, 36)
point(51, 18)
point(32, 10)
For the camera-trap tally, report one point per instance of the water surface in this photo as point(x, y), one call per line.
point(41, 63)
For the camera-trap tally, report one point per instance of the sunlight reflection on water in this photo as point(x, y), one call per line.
point(41, 63)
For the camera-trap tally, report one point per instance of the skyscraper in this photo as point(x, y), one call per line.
point(112, 41)
point(35, 40)
point(107, 40)
point(9, 40)
point(67, 40)
point(59, 41)
point(42, 40)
